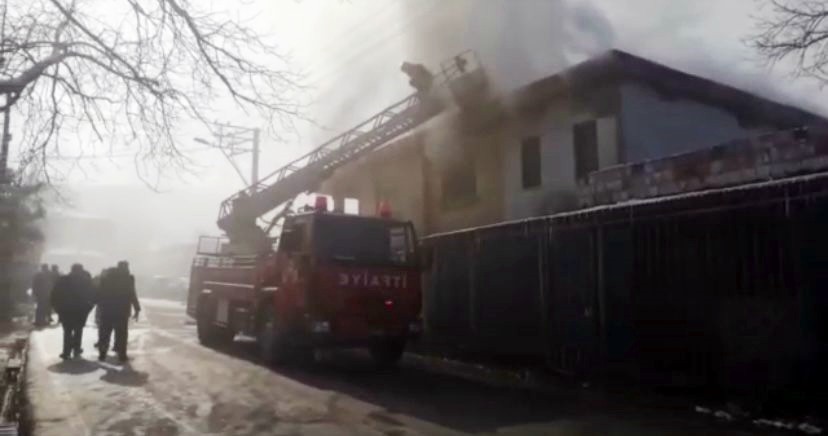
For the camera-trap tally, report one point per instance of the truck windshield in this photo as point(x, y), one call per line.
point(367, 241)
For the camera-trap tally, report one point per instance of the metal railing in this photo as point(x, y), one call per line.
point(225, 261)
point(382, 127)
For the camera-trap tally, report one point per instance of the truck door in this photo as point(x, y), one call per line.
point(294, 248)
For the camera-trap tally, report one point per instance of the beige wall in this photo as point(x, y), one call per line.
point(554, 127)
point(392, 174)
point(484, 151)
point(409, 173)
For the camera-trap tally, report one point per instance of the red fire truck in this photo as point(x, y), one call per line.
point(329, 279)
point(333, 280)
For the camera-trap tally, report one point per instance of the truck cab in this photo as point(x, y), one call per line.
point(332, 281)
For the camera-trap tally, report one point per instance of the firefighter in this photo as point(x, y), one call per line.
point(116, 297)
point(41, 288)
point(73, 298)
point(419, 77)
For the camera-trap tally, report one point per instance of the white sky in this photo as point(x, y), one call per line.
point(352, 49)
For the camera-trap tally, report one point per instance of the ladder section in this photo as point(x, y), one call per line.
point(307, 171)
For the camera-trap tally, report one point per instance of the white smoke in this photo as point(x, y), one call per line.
point(522, 41)
point(517, 41)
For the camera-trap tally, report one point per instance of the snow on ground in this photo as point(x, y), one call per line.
point(174, 386)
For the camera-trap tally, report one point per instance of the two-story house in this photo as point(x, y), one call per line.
point(523, 153)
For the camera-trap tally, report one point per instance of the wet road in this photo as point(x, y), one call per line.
point(174, 386)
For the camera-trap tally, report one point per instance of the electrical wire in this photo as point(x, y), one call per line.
point(401, 30)
point(337, 40)
point(130, 155)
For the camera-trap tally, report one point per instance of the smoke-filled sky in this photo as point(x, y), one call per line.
point(351, 51)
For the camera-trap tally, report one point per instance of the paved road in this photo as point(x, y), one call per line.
point(173, 386)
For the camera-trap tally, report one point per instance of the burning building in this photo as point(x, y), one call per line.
point(529, 152)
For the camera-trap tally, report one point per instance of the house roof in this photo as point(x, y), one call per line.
point(612, 67)
point(617, 66)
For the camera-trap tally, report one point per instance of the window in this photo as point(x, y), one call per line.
point(363, 240)
point(585, 142)
point(399, 244)
point(459, 184)
point(292, 239)
point(530, 162)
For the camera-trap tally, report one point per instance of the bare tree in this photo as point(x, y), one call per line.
point(796, 30)
point(127, 72)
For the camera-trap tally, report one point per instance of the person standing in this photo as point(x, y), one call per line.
point(97, 280)
point(41, 288)
point(72, 298)
point(116, 297)
point(55, 275)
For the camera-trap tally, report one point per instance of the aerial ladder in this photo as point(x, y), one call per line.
point(238, 215)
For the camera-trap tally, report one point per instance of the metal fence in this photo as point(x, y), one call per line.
point(722, 289)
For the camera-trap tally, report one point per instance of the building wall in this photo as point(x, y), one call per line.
point(409, 174)
point(654, 126)
point(557, 191)
point(484, 153)
point(633, 123)
point(392, 174)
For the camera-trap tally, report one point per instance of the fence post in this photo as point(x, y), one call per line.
point(543, 287)
point(474, 249)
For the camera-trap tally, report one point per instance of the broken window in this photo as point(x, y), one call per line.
point(459, 183)
point(585, 143)
point(530, 162)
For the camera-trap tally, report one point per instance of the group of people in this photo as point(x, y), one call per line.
point(74, 295)
point(42, 286)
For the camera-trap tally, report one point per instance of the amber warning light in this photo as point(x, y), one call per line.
point(321, 203)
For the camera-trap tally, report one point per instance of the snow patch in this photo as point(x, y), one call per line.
point(704, 410)
point(804, 427)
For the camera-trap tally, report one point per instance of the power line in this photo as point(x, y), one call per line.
point(337, 40)
point(116, 155)
point(399, 31)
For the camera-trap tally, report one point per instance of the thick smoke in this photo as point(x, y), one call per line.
point(518, 42)
point(522, 41)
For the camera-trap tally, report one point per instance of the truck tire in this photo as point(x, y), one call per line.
point(387, 353)
point(209, 334)
point(271, 340)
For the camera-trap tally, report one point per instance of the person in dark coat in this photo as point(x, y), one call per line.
point(115, 299)
point(73, 298)
point(54, 276)
point(97, 280)
point(41, 289)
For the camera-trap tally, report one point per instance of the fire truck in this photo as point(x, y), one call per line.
point(329, 279)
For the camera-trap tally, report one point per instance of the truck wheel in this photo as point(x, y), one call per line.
point(388, 352)
point(270, 339)
point(209, 334)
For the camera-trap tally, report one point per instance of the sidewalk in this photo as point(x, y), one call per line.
point(632, 397)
